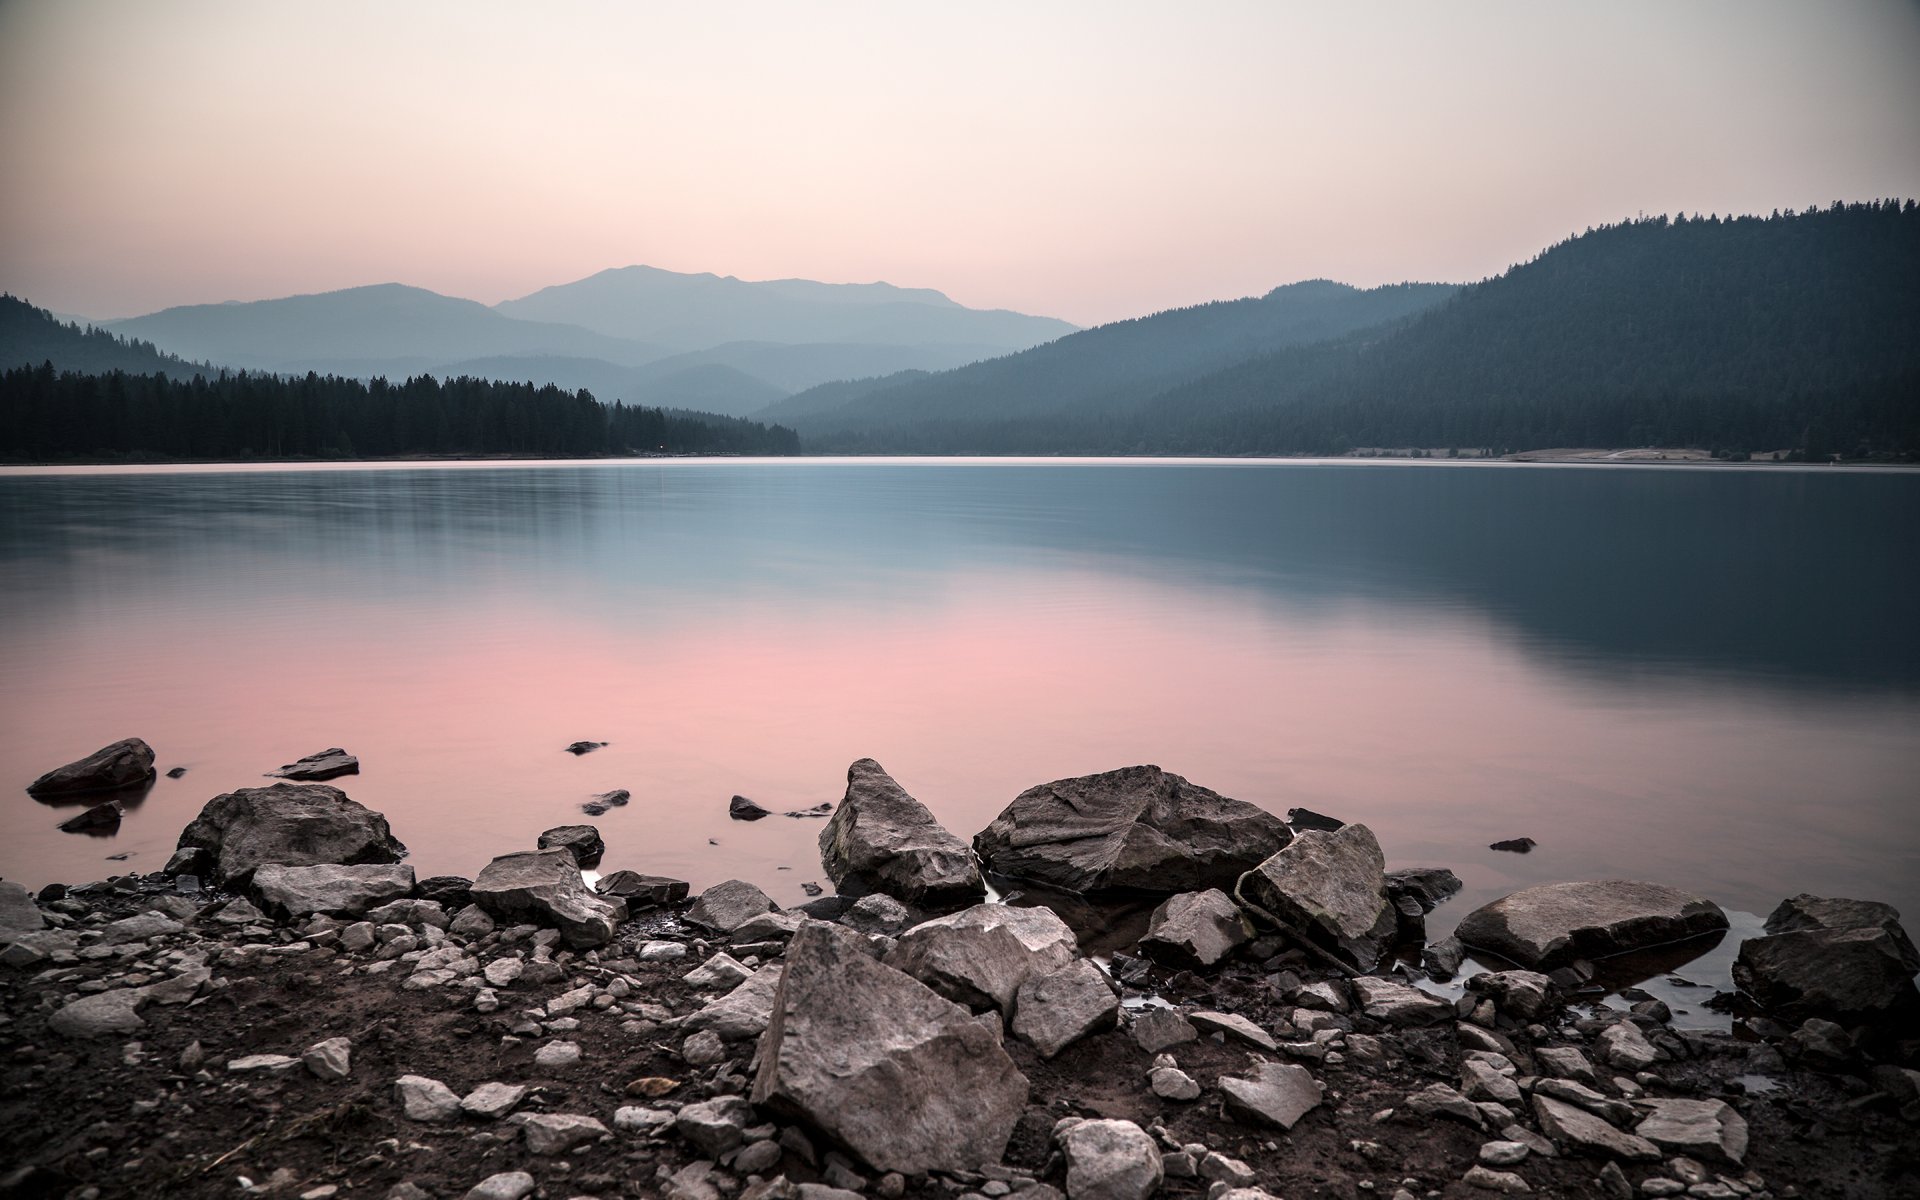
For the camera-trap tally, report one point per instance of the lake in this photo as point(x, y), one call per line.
point(1708, 677)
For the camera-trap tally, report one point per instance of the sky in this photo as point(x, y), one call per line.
point(1090, 161)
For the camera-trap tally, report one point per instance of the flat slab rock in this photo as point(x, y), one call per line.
point(124, 764)
point(1553, 924)
point(1277, 1094)
point(329, 889)
point(884, 840)
point(1700, 1128)
point(330, 763)
point(293, 824)
point(1138, 829)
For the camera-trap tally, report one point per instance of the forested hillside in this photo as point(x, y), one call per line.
point(30, 335)
point(1795, 331)
point(64, 416)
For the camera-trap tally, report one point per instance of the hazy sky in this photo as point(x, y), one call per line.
point(1089, 161)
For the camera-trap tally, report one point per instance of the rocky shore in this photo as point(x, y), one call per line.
point(287, 1011)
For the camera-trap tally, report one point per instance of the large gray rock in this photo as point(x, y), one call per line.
point(124, 764)
point(1553, 924)
point(901, 1076)
point(293, 824)
point(1708, 1129)
point(330, 763)
point(1581, 1130)
point(581, 841)
point(1138, 829)
point(1055, 1010)
point(544, 887)
point(1804, 912)
point(18, 913)
point(328, 888)
point(980, 956)
point(743, 1012)
point(1276, 1094)
point(1196, 929)
point(725, 907)
point(1851, 976)
point(1109, 1160)
point(1330, 888)
point(882, 839)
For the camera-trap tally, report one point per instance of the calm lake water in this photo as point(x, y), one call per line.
point(1708, 677)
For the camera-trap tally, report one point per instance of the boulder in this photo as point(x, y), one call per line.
point(1623, 1047)
point(1138, 829)
point(1055, 1010)
point(877, 913)
point(451, 892)
point(881, 839)
point(1329, 888)
point(330, 763)
point(1277, 1094)
point(642, 891)
point(1698, 1128)
point(1553, 924)
point(742, 809)
point(1804, 912)
point(980, 956)
point(1196, 929)
point(725, 907)
point(581, 841)
point(1581, 1130)
point(101, 818)
point(1852, 976)
point(544, 887)
point(292, 824)
point(329, 889)
point(1109, 1160)
point(876, 1060)
point(124, 764)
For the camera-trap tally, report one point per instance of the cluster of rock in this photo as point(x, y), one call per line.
point(869, 1045)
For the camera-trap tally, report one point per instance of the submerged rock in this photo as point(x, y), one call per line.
point(1554, 924)
point(330, 763)
point(293, 824)
point(742, 809)
point(581, 841)
point(100, 818)
point(124, 764)
point(544, 886)
point(1329, 888)
point(329, 889)
point(579, 748)
point(1196, 929)
point(1138, 829)
point(981, 955)
point(882, 839)
point(1519, 845)
point(902, 1077)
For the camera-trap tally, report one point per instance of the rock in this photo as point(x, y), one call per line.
point(725, 907)
point(636, 1119)
point(1565, 1062)
point(1623, 1046)
point(642, 891)
point(502, 972)
point(18, 913)
point(1494, 1181)
point(1804, 912)
point(1427, 886)
point(1525, 995)
point(548, 1134)
point(104, 1013)
point(1157, 1029)
point(1399, 1004)
point(556, 1056)
point(330, 763)
point(980, 956)
point(1437, 1099)
point(882, 839)
point(124, 764)
point(879, 914)
point(1138, 829)
point(1330, 889)
point(544, 886)
point(1503, 1154)
point(1271, 1093)
point(767, 927)
point(1553, 924)
point(336, 891)
point(1441, 960)
point(715, 1126)
point(1055, 1010)
point(1234, 1026)
point(742, 809)
point(507, 1185)
point(423, 1099)
point(743, 1012)
point(289, 824)
point(1171, 1083)
point(578, 748)
point(1110, 1160)
point(876, 1060)
point(1583, 1131)
point(1706, 1128)
point(1480, 1081)
point(451, 892)
point(722, 971)
point(581, 841)
point(252, 1064)
point(99, 818)
point(703, 1049)
point(1519, 845)
point(1302, 819)
point(1196, 929)
point(1852, 976)
point(331, 1059)
point(492, 1101)
point(176, 772)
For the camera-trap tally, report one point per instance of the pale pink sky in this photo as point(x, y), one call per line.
point(1089, 161)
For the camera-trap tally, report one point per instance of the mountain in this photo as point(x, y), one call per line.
point(1115, 367)
point(31, 336)
point(383, 329)
point(696, 312)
